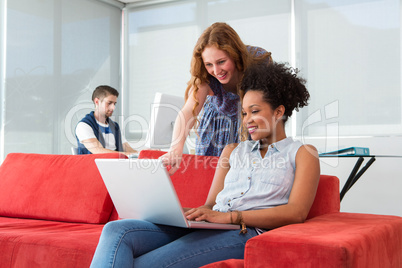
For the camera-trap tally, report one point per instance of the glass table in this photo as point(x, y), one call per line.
point(356, 172)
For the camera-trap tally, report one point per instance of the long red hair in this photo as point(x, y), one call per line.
point(225, 38)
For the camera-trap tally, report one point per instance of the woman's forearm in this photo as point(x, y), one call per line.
point(182, 126)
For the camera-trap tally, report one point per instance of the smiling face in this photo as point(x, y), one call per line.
point(220, 65)
point(261, 121)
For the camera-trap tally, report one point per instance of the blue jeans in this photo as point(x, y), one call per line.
point(134, 243)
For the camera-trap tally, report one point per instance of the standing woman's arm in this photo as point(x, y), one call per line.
point(182, 126)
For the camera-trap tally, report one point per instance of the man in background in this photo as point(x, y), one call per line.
point(96, 133)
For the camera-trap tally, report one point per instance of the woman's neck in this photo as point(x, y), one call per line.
point(265, 143)
point(232, 85)
point(230, 88)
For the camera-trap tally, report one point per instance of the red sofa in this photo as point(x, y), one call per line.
point(53, 208)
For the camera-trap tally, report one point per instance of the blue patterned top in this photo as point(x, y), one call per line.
point(220, 119)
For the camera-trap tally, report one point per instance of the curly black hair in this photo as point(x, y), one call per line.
point(279, 84)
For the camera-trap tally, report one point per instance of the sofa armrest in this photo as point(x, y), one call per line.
point(331, 240)
point(327, 199)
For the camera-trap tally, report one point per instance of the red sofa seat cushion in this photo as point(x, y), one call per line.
point(331, 240)
point(54, 187)
point(27, 243)
point(231, 263)
point(193, 179)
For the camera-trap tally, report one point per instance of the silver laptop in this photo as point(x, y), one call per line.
point(141, 189)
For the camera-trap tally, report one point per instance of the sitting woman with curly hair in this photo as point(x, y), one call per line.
point(260, 184)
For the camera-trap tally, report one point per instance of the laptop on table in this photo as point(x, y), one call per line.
point(141, 189)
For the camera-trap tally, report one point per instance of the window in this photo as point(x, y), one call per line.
point(54, 53)
point(349, 51)
point(57, 53)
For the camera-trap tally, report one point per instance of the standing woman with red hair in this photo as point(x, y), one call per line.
point(212, 98)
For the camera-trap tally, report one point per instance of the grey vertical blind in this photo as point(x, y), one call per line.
point(57, 52)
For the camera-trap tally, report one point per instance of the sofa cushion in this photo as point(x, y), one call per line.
point(27, 243)
point(231, 263)
point(191, 191)
point(54, 187)
point(333, 240)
